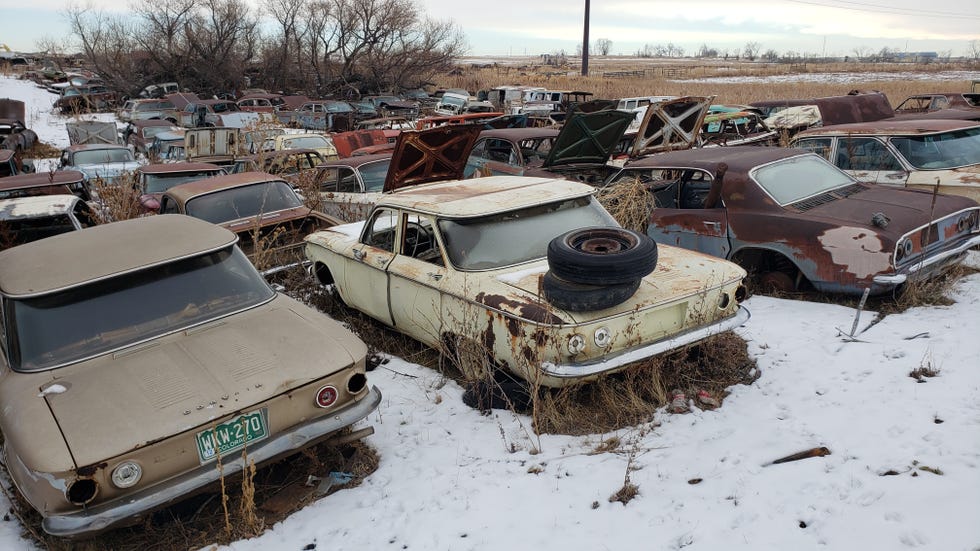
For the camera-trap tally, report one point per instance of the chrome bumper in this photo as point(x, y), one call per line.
point(95, 519)
point(615, 361)
point(895, 280)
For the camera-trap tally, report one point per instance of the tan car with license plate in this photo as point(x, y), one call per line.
point(130, 372)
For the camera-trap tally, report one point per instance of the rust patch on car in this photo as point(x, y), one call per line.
point(532, 312)
point(90, 470)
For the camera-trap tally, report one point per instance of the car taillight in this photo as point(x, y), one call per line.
point(326, 396)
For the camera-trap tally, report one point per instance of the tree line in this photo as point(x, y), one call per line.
point(318, 47)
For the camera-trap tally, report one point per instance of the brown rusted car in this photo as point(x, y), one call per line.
point(45, 183)
point(129, 373)
point(153, 180)
point(964, 105)
point(264, 211)
point(797, 221)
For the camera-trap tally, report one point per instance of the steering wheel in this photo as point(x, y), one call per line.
point(417, 238)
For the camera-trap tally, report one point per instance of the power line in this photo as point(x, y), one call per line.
point(891, 10)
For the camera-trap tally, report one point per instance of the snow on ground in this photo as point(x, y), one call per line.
point(452, 479)
point(837, 77)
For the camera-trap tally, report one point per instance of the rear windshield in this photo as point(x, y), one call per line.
point(79, 323)
point(24, 230)
point(243, 202)
point(159, 183)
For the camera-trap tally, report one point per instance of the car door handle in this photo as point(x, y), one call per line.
point(359, 254)
point(713, 225)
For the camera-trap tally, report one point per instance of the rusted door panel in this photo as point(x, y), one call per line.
point(415, 294)
point(704, 230)
point(366, 281)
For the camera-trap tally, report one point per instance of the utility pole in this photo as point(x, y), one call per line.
point(585, 43)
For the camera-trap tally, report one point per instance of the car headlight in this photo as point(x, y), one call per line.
point(602, 337)
point(576, 344)
point(127, 474)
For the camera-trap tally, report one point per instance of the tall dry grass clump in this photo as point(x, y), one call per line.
point(629, 202)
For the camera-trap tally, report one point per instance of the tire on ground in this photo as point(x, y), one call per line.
point(602, 256)
point(575, 297)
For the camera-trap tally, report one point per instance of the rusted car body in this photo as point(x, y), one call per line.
point(14, 134)
point(942, 155)
point(27, 219)
point(78, 99)
point(794, 219)
point(129, 371)
point(154, 179)
point(727, 126)
point(105, 162)
point(194, 112)
point(220, 146)
point(288, 164)
point(45, 183)
point(346, 143)
point(325, 115)
point(853, 107)
point(282, 141)
point(260, 103)
point(263, 210)
point(140, 133)
point(961, 105)
point(463, 261)
point(350, 187)
point(147, 109)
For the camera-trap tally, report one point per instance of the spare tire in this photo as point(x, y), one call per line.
point(602, 255)
point(575, 297)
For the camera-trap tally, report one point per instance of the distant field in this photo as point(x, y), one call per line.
point(732, 82)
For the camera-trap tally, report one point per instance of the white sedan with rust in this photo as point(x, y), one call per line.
point(533, 271)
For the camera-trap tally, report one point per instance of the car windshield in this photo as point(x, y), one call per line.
point(306, 142)
point(453, 100)
point(151, 131)
point(93, 319)
point(796, 178)
point(101, 156)
point(338, 108)
point(518, 236)
point(159, 183)
point(947, 150)
point(374, 174)
point(243, 202)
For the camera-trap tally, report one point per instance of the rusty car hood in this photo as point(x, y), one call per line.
point(588, 138)
point(670, 281)
point(117, 402)
point(906, 209)
point(431, 155)
point(671, 124)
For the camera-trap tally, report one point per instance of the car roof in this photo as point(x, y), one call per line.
point(151, 122)
point(169, 168)
point(56, 178)
point(890, 126)
point(741, 158)
point(483, 196)
point(94, 147)
point(185, 192)
point(110, 250)
point(36, 206)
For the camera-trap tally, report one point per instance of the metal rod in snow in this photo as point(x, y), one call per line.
point(857, 315)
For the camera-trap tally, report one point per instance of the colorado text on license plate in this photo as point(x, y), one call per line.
point(232, 435)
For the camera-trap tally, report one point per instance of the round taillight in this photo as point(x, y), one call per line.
point(326, 396)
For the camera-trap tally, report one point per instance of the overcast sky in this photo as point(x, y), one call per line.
point(519, 27)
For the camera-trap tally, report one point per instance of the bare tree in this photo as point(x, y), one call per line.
point(974, 51)
point(603, 46)
point(770, 55)
point(862, 53)
point(751, 50)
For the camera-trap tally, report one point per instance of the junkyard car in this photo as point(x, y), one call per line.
point(915, 154)
point(128, 373)
point(52, 183)
point(76, 99)
point(140, 133)
point(153, 180)
point(964, 105)
point(147, 109)
point(264, 210)
point(322, 144)
point(105, 162)
point(794, 219)
point(350, 187)
point(471, 261)
point(27, 219)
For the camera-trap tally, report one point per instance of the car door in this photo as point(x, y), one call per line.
point(417, 279)
point(681, 216)
point(365, 277)
point(342, 193)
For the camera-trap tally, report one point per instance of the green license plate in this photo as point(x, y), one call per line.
point(232, 435)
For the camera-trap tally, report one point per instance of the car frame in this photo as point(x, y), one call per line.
point(185, 365)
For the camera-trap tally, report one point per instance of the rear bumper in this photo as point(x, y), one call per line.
point(611, 363)
point(90, 521)
point(926, 267)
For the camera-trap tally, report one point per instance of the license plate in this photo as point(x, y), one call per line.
point(232, 435)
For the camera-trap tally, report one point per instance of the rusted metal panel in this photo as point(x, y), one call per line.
point(430, 155)
point(347, 142)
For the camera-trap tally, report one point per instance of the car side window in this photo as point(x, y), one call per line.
point(380, 232)
point(347, 181)
point(865, 154)
point(820, 146)
point(418, 239)
point(168, 206)
point(84, 215)
point(327, 179)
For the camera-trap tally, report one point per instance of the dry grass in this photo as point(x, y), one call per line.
point(629, 202)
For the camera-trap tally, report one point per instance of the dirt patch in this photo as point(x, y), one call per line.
point(41, 150)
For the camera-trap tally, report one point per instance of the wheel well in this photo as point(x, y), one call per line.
point(322, 273)
point(761, 261)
